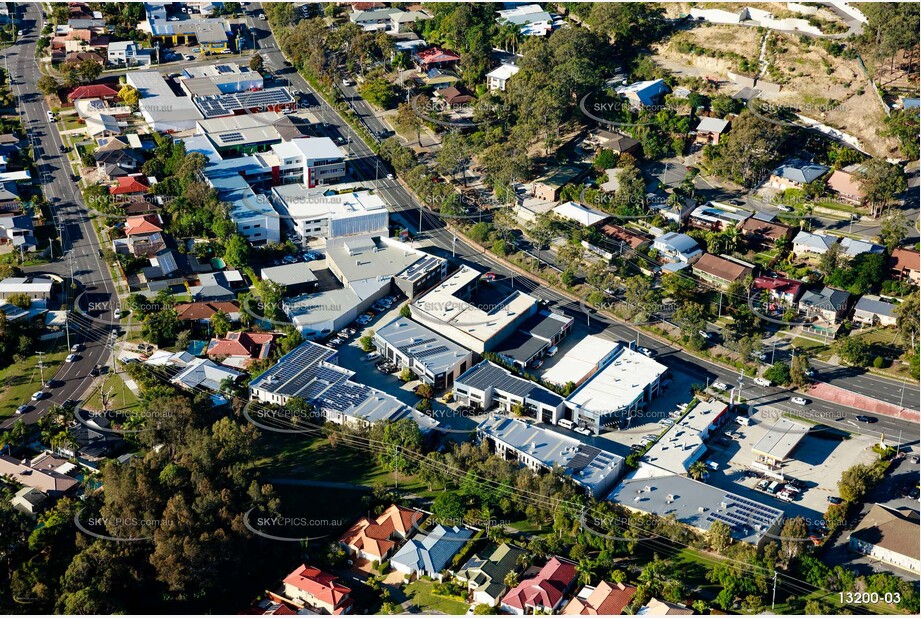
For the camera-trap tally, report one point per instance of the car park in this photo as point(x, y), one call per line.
point(763, 485)
point(800, 401)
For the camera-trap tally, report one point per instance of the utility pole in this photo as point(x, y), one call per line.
point(774, 593)
point(41, 366)
point(719, 312)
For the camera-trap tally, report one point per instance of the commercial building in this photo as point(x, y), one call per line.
point(128, 53)
point(211, 35)
point(621, 382)
point(540, 449)
point(247, 134)
point(685, 441)
point(654, 490)
point(276, 99)
point(223, 78)
point(486, 385)
point(317, 213)
point(163, 110)
point(309, 372)
point(437, 360)
point(479, 316)
point(295, 278)
point(721, 271)
point(889, 536)
point(310, 161)
point(777, 444)
point(534, 338)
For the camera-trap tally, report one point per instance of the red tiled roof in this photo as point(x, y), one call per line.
point(130, 184)
point(605, 600)
point(143, 224)
point(93, 91)
point(718, 267)
point(766, 229)
point(252, 345)
point(778, 284)
point(319, 585)
point(373, 537)
point(624, 235)
point(205, 310)
point(905, 259)
point(435, 55)
point(546, 589)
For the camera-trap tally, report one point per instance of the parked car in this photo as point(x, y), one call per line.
point(537, 363)
point(721, 386)
point(646, 352)
point(552, 350)
point(188, 57)
point(373, 356)
point(490, 276)
point(704, 334)
point(835, 500)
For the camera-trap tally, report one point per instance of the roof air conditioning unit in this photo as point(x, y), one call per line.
point(723, 505)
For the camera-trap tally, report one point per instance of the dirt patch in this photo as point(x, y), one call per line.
point(711, 48)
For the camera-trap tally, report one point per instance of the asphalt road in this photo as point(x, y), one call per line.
point(365, 163)
point(70, 216)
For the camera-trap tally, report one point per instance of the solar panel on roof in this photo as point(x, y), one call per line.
point(232, 137)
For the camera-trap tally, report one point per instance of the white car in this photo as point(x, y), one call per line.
point(19, 33)
point(75, 348)
point(704, 334)
point(189, 57)
point(70, 358)
point(226, 51)
point(784, 209)
point(552, 351)
point(762, 382)
point(646, 352)
point(262, 16)
point(37, 395)
point(721, 386)
point(799, 401)
point(173, 19)
point(389, 176)
point(373, 356)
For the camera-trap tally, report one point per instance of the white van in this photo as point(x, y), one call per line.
point(743, 420)
point(762, 382)
point(565, 423)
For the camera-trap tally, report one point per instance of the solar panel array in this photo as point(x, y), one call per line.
point(226, 104)
point(420, 268)
point(585, 455)
point(229, 138)
point(744, 515)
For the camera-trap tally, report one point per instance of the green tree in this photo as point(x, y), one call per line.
point(129, 95)
point(881, 182)
point(220, 324)
point(379, 92)
point(894, 229)
point(48, 85)
point(719, 536)
point(854, 351)
point(257, 63)
point(480, 232)
point(799, 371)
point(778, 373)
point(697, 470)
point(237, 251)
point(605, 159)
point(405, 311)
point(906, 316)
point(448, 506)
point(408, 120)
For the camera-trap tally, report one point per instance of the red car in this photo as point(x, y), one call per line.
point(490, 276)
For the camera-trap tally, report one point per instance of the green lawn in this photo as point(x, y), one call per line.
point(122, 396)
point(422, 594)
point(309, 457)
point(815, 348)
point(19, 380)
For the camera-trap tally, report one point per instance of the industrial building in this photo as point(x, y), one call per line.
point(486, 385)
point(435, 359)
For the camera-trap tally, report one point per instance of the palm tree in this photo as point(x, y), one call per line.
point(697, 470)
point(585, 568)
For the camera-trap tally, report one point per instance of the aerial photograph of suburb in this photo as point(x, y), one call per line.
point(460, 308)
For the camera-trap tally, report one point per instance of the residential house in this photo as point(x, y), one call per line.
point(46, 473)
point(29, 500)
point(375, 539)
point(92, 440)
point(581, 214)
point(544, 592)
point(485, 574)
point(709, 130)
point(846, 183)
point(888, 535)
point(905, 265)
point(675, 247)
point(602, 600)
point(873, 310)
point(93, 91)
point(827, 304)
point(455, 97)
point(807, 243)
point(135, 183)
point(721, 271)
point(430, 552)
point(779, 289)
point(129, 53)
point(531, 19)
point(202, 312)
point(645, 93)
point(717, 217)
point(656, 607)
point(852, 247)
point(435, 58)
point(143, 236)
point(795, 173)
point(217, 285)
point(8, 143)
point(101, 125)
point(624, 237)
point(202, 373)
point(764, 235)
point(438, 79)
point(619, 143)
point(18, 232)
point(317, 592)
point(240, 349)
point(392, 20)
point(114, 164)
point(497, 79)
point(548, 187)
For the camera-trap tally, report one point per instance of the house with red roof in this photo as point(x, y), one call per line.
point(375, 539)
point(143, 236)
point(135, 183)
point(240, 348)
point(309, 588)
point(544, 592)
point(779, 289)
point(436, 58)
point(906, 265)
point(602, 600)
point(93, 91)
point(202, 312)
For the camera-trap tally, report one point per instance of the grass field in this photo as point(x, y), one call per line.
point(122, 397)
point(422, 594)
point(19, 380)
